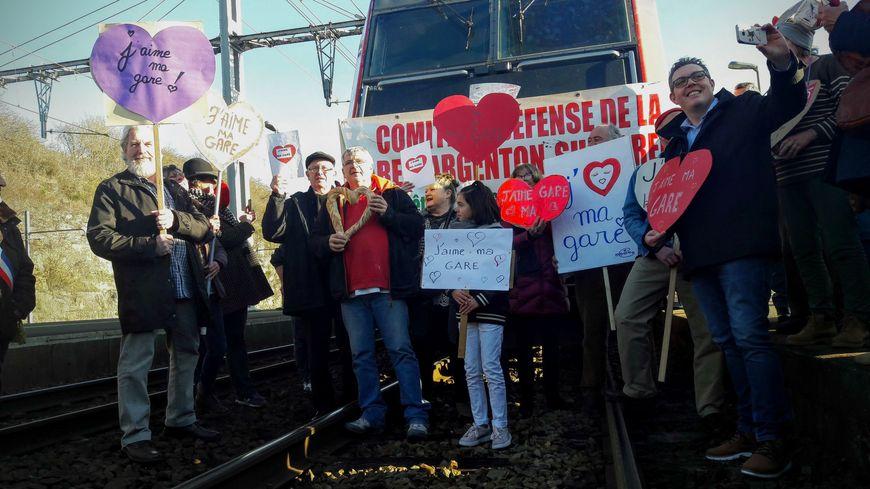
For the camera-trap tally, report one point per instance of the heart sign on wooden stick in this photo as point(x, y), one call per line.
point(601, 176)
point(154, 77)
point(476, 131)
point(521, 204)
point(675, 186)
point(227, 133)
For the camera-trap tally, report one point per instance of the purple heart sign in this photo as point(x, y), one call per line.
point(153, 77)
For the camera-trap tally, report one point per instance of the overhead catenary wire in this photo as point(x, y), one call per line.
point(97, 133)
point(357, 8)
point(339, 47)
point(74, 33)
point(170, 10)
point(335, 8)
point(49, 60)
point(146, 14)
point(59, 27)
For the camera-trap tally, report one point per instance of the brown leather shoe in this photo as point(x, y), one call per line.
point(739, 445)
point(818, 331)
point(769, 461)
point(855, 334)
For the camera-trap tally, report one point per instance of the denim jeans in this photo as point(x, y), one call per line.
point(225, 340)
point(361, 316)
point(137, 354)
point(734, 298)
point(483, 357)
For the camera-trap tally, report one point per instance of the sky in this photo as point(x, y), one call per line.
point(283, 83)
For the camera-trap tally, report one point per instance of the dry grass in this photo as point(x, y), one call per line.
point(56, 184)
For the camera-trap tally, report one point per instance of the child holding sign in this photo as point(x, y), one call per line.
point(485, 313)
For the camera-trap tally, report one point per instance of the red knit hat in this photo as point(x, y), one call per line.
point(667, 116)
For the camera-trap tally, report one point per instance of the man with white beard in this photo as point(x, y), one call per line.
point(159, 278)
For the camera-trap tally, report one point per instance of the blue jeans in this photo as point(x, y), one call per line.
point(734, 298)
point(483, 357)
point(361, 315)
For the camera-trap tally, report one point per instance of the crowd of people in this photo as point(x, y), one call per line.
point(183, 264)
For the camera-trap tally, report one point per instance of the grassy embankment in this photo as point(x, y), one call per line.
point(56, 184)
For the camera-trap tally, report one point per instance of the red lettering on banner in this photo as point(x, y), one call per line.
point(537, 154)
point(556, 116)
point(521, 155)
point(463, 169)
point(382, 133)
point(561, 148)
point(417, 132)
point(622, 109)
point(518, 131)
point(574, 125)
point(653, 140)
point(608, 112)
point(505, 154)
point(655, 108)
point(586, 107)
point(382, 168)
point(640, 120)
point(638, 145)
point(490, 167)
point(397, 169)
point(530, 122)
point(448, 164)
point(540, 114)
point(397, 135)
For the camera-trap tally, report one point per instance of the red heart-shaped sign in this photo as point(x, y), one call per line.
point(675, 186)
point(416, 164)
point(521, 204)
point(476, 131)
point(601, 176)
point(284, 153)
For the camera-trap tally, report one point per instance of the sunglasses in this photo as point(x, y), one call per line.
point(684, 80)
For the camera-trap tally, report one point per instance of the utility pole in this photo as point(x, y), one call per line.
point(231, 78)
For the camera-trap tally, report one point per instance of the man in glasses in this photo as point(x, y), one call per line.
point(729, 235)
point(288, 221)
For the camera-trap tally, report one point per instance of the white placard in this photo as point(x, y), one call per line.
point(228, 132)
point(590, 233)
point(479, 90)
point(471, 259)
point(417, 166)
point(644, 179)
point(284, 154)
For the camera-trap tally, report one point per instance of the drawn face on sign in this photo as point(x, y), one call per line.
point(601, 176)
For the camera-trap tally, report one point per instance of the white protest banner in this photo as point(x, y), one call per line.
point(472, 259)
point(417, 166)
point(227, 133)
point(479, 90)
point(561, 122)
point(590, 233)
point(284, 154)
point(646, 173)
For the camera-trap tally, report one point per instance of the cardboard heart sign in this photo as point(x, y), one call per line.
point(476, 131)
point(154, 77)
point(601, 176)
point(284, 153)
point(675, 186)
point(227, 133)
point(416, 164)
point(521, 204)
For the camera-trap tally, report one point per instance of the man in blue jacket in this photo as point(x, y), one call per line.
point(729, 235)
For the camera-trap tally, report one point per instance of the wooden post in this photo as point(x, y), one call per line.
point(217, 203)
point(669, 317)
point(158, 176)
point(609, 297)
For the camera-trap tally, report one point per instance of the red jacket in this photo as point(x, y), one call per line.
point(537, 290)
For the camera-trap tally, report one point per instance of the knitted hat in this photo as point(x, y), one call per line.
point(794, 31)
point(666, 117)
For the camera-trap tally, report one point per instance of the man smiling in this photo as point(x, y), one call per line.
point(729, 235)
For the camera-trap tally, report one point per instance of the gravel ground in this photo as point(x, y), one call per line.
point(96, 461)
point(561, 448)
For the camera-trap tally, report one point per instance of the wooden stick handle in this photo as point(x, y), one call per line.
point(669, 318)
point(609, 297)
point(158, 175)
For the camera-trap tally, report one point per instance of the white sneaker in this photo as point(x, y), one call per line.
point(501, 438)
point(475, 436)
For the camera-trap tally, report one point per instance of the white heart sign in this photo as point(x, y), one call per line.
point(644, 176)
point(227, 133)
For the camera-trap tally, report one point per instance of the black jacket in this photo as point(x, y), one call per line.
point(289, 223)
point(15, 305)
point(734, 214)
point(404, 226)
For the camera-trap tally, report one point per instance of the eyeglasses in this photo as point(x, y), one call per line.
point(320, 169)
point(684, 80)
